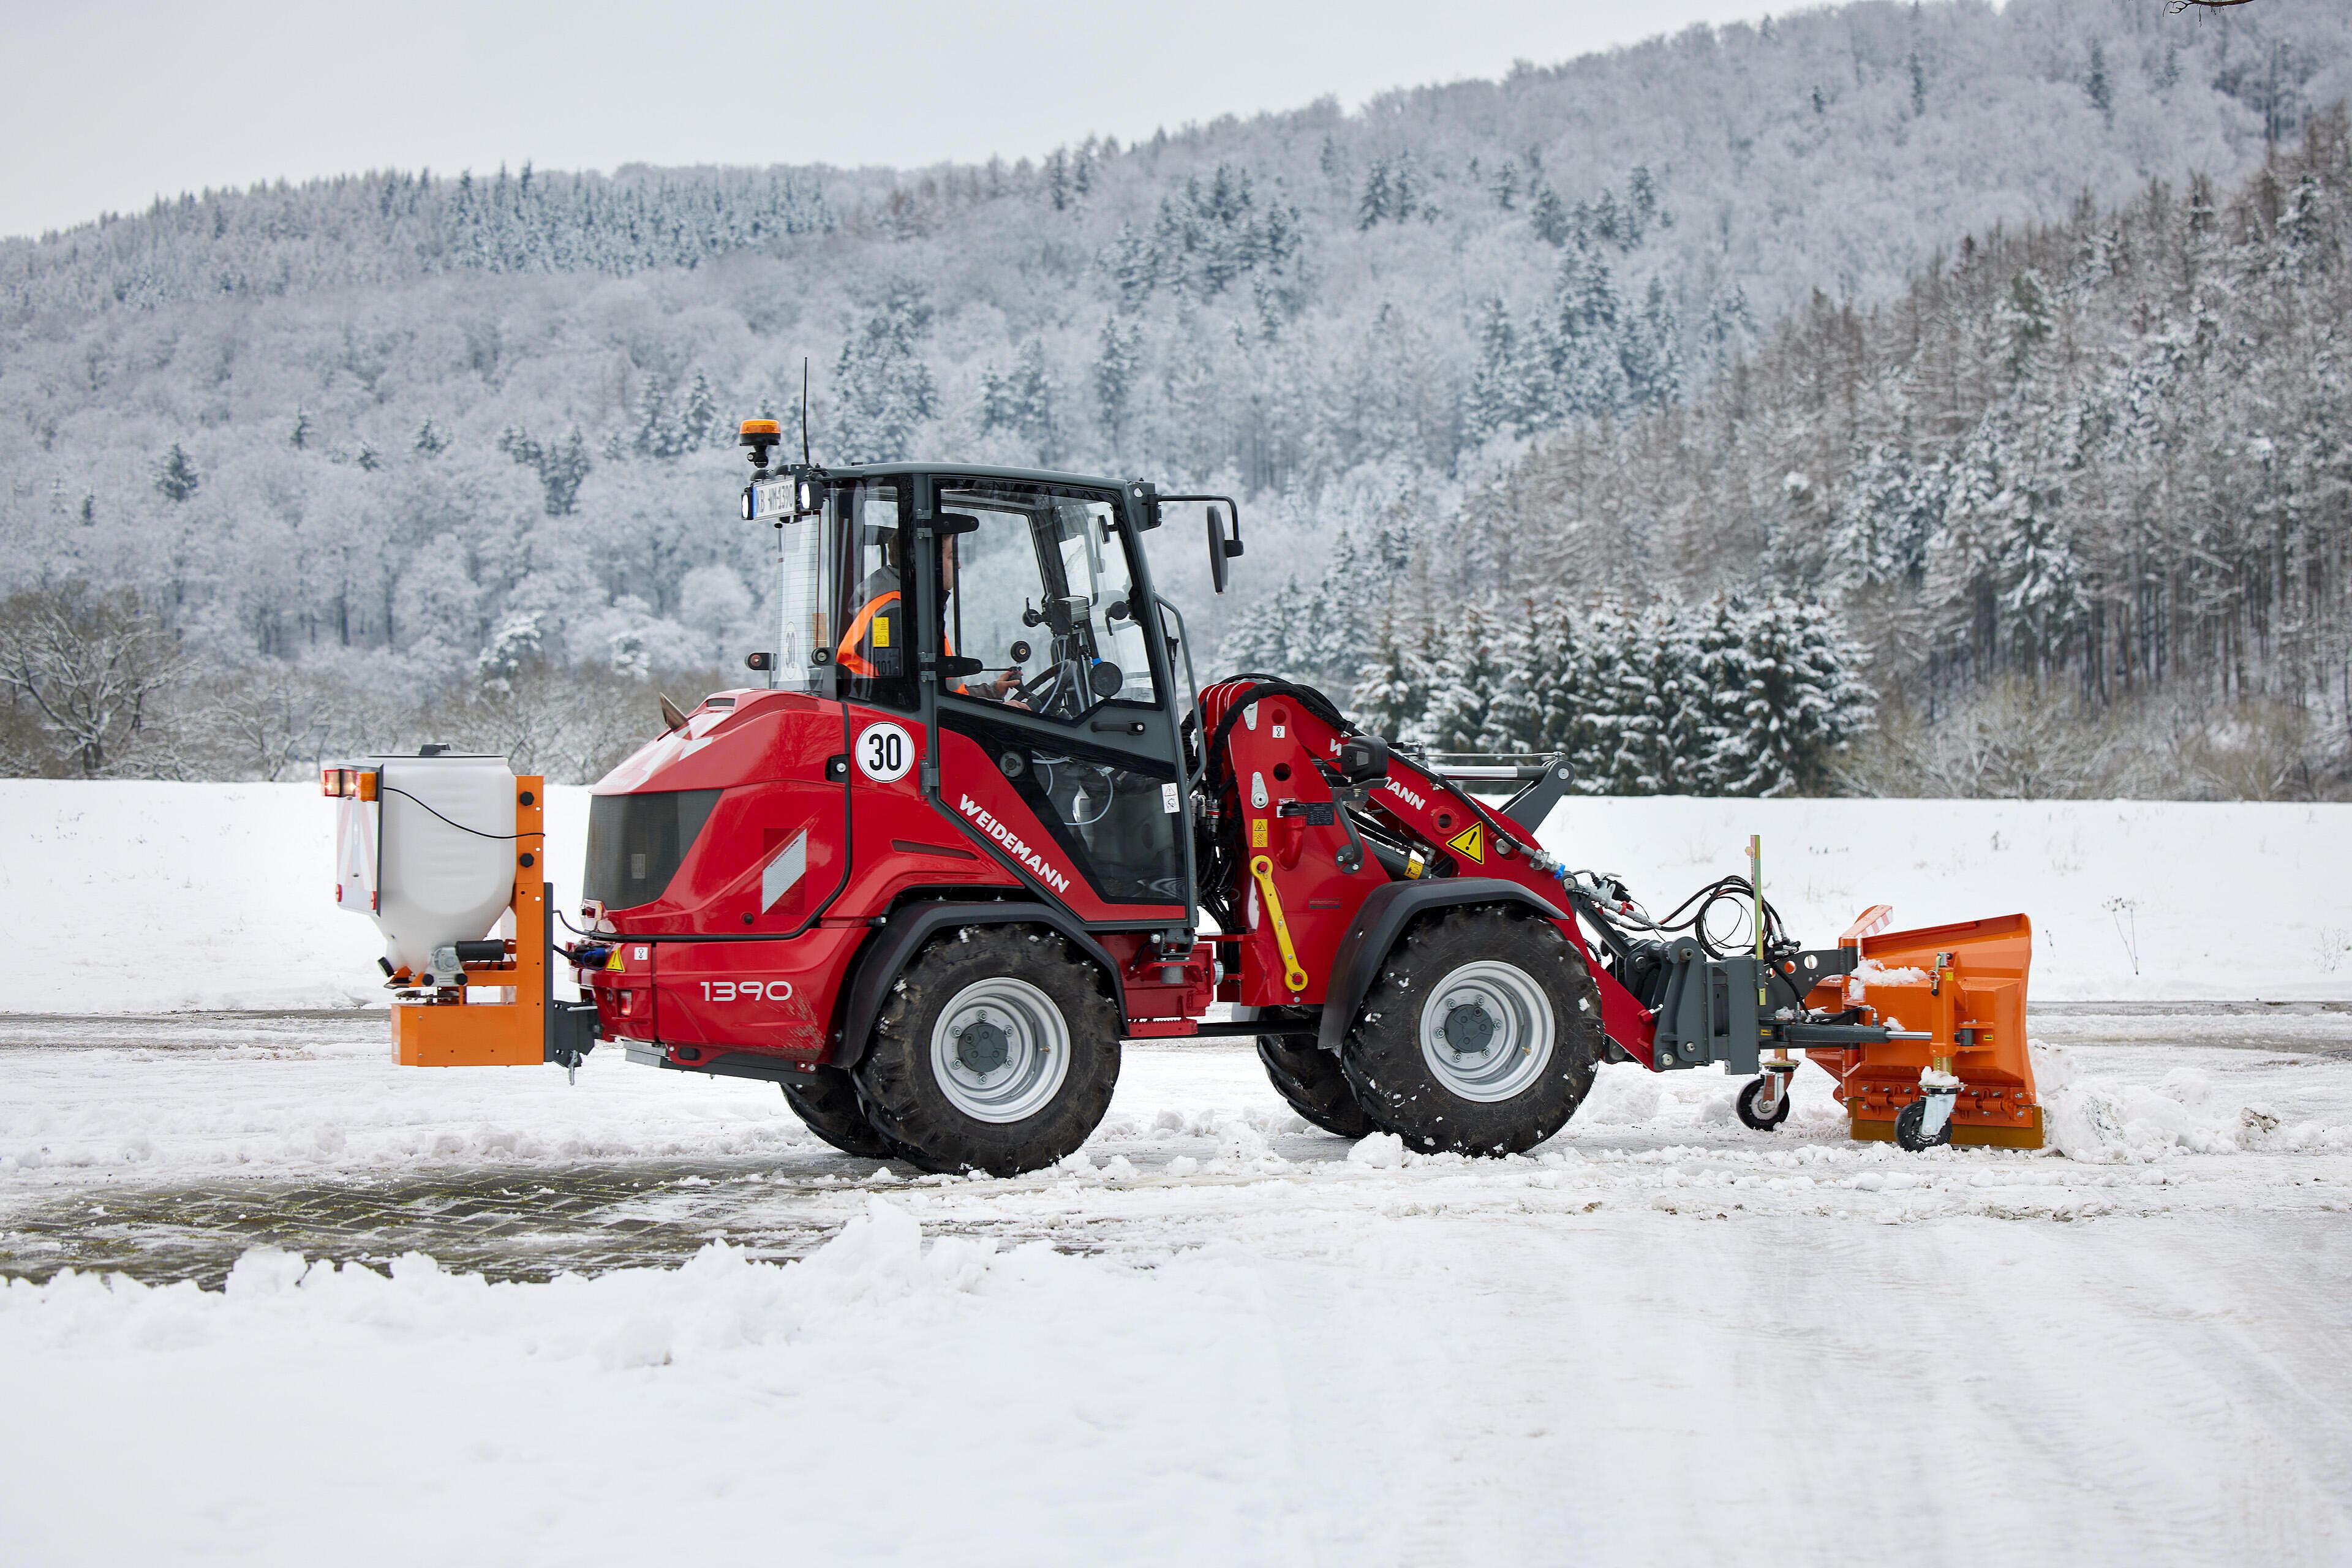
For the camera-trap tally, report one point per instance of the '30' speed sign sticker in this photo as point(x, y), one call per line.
point(885, 752)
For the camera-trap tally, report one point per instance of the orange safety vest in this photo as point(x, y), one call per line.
point(847, 656)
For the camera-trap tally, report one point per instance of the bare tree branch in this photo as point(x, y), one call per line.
point(87, 664)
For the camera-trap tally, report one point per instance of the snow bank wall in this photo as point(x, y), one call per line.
point(122, 897)
point(134, 898)
point(2224, 901)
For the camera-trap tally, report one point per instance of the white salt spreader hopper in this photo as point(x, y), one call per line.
point(437, 850)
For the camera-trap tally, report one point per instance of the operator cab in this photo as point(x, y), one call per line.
point(1006, 613)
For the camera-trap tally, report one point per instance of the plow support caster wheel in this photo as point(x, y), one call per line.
point(1751, 1094)
point(1910, 1129)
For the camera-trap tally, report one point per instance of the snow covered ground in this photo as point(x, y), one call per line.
point(1212, 1336)
point(264, 1296)
point(124, 896)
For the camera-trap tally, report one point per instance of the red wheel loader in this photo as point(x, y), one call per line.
point(977, 825)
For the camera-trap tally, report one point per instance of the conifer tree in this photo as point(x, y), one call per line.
point(698, 416)
point(1389, 696)
point(1373, 205)
point(1514, 716)
point(1464, 672)
point(1548, 216)
point(1258, 641)
point(887, 392)
point(1118, 358)
point(1650, 352)
point(177, 479)
point(1801, 701)
point(562, 470)
point(1496, 395)
point(1025, 400)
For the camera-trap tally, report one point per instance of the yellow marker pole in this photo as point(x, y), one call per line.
point(1756, 891)
point(1294, 975)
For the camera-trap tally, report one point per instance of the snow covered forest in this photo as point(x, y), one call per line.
point(1891, 397)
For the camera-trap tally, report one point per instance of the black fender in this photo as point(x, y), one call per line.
point(901, 936)
point(1380, 919)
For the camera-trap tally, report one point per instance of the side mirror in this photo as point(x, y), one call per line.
point(1217, 543)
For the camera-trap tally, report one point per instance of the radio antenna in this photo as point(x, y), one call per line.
point(804, 455)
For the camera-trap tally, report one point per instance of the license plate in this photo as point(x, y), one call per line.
point(772, 498)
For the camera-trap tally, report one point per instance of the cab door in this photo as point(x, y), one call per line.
point(1056, 740)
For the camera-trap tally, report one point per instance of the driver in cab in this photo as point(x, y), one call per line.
point(874, 644)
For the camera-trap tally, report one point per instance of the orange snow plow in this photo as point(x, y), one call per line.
point(1953, 996)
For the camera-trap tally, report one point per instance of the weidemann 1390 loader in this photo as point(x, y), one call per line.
point(977, 825)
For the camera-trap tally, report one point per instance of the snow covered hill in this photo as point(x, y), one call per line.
point(131, 896)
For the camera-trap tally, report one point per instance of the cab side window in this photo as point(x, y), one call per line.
point(875, 650)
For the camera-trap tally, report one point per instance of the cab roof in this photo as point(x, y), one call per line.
point(970, 470)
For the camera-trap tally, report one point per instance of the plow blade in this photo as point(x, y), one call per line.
point(1963, 987)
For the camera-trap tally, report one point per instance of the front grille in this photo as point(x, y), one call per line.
point(635, 843)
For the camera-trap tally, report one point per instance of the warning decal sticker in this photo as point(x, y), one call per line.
point(1470, 843)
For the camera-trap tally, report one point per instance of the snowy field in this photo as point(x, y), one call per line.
point(667, 1321)
point(141, 898)
point(293, 1302)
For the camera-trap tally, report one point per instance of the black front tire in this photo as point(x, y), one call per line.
point(826, 1102)
point(1393, 1080)
point(908, 1104)
point(1312, 1083)
point(1749, 1095)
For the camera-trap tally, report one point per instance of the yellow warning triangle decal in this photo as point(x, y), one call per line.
point(1470, 843)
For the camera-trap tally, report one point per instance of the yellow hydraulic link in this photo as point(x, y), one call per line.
point(1262, 867)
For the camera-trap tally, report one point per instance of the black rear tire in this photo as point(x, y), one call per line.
point(826, 1102)
point(963, 976)
point(1519, 1106)
point(1312, 1083)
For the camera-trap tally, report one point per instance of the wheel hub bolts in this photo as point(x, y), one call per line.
point(982, 1047)
point(1469, 1030)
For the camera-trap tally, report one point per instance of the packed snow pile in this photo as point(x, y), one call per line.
point(2107, 1120)
point(127, 897)
point(502, 1408)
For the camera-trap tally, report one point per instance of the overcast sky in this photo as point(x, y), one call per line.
point(106, 103)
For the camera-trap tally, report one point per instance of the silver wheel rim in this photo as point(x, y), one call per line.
point(1487, 1031)
point(1000, 1049)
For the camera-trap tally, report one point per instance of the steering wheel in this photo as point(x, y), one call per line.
point(1052, 690)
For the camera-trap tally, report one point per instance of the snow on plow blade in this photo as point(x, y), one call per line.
point(1964, 986)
